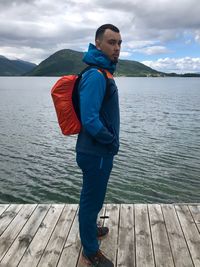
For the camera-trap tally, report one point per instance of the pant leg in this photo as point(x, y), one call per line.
point(96, 171)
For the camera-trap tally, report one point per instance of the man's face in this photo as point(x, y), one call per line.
point(110, 44)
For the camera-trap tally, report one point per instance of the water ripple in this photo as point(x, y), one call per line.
point(159, 158)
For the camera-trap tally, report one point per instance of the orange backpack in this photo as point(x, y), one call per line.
point(66, 101)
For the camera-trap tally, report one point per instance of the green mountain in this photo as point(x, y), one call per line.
point(14, 67)
point(135, 69)
point(68, 61)
point(63, 62)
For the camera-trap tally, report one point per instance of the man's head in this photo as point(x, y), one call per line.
point(108, 40)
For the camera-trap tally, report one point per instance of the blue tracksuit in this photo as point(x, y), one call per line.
point(97, 142)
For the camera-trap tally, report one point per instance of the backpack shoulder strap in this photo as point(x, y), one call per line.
point(105, 72)
point(75, 96)
point(107, 75)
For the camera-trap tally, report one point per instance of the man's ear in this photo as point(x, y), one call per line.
point(98, 43)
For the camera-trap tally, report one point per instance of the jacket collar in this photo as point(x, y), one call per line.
point(96, 57)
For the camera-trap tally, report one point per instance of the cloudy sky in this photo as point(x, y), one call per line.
point(163, 34)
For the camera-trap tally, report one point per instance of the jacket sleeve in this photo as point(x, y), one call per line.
point(92, 88)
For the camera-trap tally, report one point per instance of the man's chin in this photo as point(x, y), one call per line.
point(115, 60)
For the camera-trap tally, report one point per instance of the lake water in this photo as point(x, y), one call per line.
point(159, 158)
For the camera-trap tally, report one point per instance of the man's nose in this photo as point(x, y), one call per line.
point(117, 47)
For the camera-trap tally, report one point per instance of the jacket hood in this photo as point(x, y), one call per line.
point(98, 58)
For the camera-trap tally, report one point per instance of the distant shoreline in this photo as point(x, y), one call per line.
point(117, 76)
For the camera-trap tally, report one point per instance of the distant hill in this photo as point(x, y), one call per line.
point(68, 61)
point(135, 69)
point(65, 61)
point(16, 67)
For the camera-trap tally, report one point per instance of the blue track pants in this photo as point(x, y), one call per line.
point(96, 171)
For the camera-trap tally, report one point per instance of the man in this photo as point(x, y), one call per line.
point(98, 140)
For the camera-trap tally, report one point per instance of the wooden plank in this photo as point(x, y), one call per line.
point(162, 250)
point(7, 216)
point(40, 240)
point(190, 231)
point(71, 251)
point(126, 241)
point(195, 210)
point(102, 213)
point(16, 251)
point(144, 249)
point(109, 245)
point(165, 235)
point(178, 244)
point(3, 207)
point(58, 238)
point(14, 228)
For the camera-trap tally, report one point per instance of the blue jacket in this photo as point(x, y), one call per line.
point(100, 119)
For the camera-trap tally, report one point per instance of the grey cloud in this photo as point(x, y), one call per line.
point(15, 2)
point(39, 39)
point(48, 25)
point(158, 14)
point(154, 20)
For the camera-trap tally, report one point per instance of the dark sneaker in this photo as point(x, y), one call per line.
point(97, 260)
point(102, 231)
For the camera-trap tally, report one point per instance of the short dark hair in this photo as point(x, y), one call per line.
point(100, 31)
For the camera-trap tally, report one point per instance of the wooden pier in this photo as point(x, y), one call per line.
point(141, 235)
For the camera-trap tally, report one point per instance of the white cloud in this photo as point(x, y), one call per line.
point(125, 55)
point(178, 65)
point(153, 50)
point(188, 41)
point(197, 36)
point(25, 53)
point(139, 44)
